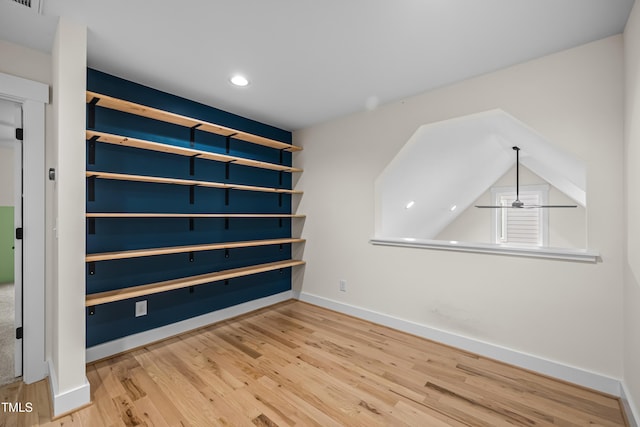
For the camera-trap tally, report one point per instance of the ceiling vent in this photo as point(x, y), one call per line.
point(35, 5)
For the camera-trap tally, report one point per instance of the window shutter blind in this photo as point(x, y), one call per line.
point(521, 226)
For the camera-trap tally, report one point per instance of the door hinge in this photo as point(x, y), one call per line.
point(19, 134)
point(19, 333)
point(19, 233)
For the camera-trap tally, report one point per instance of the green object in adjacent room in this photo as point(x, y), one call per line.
point(6, 244)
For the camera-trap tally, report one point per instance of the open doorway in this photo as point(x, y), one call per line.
point(10, 247)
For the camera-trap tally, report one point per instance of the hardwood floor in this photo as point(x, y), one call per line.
point(297, 364)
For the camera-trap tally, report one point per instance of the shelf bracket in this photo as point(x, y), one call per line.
point(192, 289)
point(282, 155)
point(192, 194)
point(91, 224)
point(191, 256)
point(226, 253)
point(226, 223)
point(226, 197)
point(192, 165)
point(91, 189)
point(191, 224)
point(280, 178)
point(92, 150)
point(228, 142)
point(92, 310)
point(226, 170)
point(226, 282)
point(192, 134)
point(92, 268)
point(280, 200)
point(280, 222)
point(91, 113)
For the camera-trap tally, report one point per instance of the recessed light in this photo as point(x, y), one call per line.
point(239, 80)
point(410, 204)
point(453, 208)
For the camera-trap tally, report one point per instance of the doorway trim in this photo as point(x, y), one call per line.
point(33, 96)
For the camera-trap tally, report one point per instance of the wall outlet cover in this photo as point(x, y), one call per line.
point(141, 308)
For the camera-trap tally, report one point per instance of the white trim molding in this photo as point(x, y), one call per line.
point(33, 96)
point(630, 409)
point(565, 254)
point(69, 400)
point(571, 374)
point(120, 345)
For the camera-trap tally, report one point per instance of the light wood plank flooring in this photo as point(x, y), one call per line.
point(297, 364)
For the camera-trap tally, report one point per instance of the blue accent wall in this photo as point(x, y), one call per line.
point(115, 320)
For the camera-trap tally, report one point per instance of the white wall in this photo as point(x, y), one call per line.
point(566, 312)
point(25, 62)
point(632, 175)
point(68, 380)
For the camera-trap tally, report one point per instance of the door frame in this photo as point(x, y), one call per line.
point(15, 146)
point(33, 96)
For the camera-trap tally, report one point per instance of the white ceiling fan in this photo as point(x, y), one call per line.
point(517, 203)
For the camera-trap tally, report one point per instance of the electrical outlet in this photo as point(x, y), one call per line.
point(141, 308)
point(343, 285)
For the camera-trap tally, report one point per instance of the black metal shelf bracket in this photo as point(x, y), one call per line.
point(228, 142)
point(92, 150)
point(91, 225)
point(192, 256)
point(92, 310)
point(226, 253)
point(91, 189)
point(226, 170)
point(226, 223)
point(226, 197)
point(192, 289)
point(280, 200)
point(91, 113)
point(192, 194)
point(192, 165)
point(92, 268)
point(192, 134)
point(191, 224)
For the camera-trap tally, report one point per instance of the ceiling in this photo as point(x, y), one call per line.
point(311, 61)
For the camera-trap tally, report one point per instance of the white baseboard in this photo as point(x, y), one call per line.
point(66, 401)
point(120, 345)
point(537, 364)
point(633, 414)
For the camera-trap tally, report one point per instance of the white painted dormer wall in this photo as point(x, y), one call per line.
point(445, 167)
point(566, 312)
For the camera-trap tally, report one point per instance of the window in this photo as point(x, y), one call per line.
point(526, 227)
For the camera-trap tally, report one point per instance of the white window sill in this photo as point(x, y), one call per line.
point(566, 254)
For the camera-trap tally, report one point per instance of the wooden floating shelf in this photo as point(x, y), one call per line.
point(169, 285)
point(178, 119)
point(186, 215)
point(183, 151)
point(136, 253)
point(178, 181)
